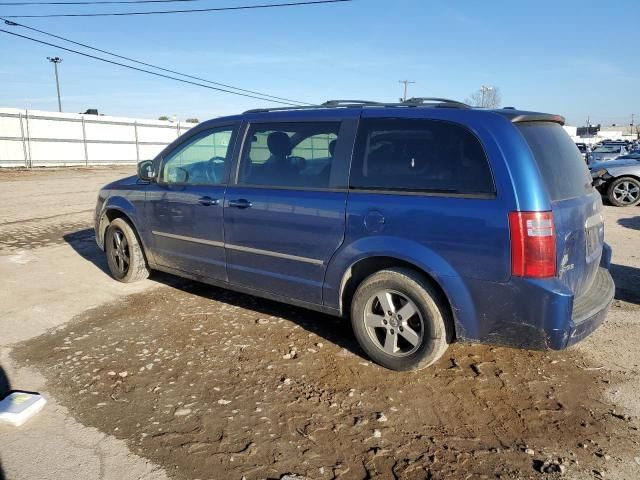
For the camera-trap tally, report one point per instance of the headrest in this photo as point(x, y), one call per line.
point(332, 147)
point(279, 144)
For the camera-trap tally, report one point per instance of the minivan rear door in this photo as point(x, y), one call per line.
point(284, 213)
point(576, 205)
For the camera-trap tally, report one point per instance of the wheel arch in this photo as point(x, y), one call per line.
point(118, 207)
point(368, 265)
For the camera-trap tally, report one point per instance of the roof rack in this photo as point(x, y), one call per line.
point(411, 102)
point(439, 102)
point(342, 103)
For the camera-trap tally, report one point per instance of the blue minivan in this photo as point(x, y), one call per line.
point(425, 222)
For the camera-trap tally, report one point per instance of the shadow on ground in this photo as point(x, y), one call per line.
point(630, 222)
point(332, 329)
point(5, 389)
point(5, 384)
point(627, 281)
point(84, 243)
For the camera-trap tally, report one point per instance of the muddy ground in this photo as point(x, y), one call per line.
point(211, 384)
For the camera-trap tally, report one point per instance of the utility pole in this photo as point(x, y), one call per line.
point(56, 61)
point(406, 84)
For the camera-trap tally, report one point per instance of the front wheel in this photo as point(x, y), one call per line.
point(400, 320)
point(124, 254)
point(624, 192)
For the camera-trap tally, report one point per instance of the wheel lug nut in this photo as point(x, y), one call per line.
point(399, 317)
point(389, 313)
point(401, 329)
point(385, 322)
point(392, 332)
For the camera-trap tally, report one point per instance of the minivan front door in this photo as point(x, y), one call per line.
point(285, 215)
point(184, 207)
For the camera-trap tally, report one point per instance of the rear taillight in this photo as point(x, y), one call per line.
point(533, 244)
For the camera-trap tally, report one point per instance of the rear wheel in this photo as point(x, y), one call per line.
point(399, 319)
point(124, 254)
point(624, 192)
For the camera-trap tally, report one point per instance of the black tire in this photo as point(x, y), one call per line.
point(414, 352)
point(624, 192)
point(127, 264)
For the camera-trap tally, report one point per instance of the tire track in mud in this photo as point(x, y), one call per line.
point(214, 384)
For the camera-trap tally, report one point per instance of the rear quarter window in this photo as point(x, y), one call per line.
point(419, 155)
point(563, 169)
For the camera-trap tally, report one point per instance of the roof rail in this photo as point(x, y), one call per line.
point(281, 109)
point(341, 103)
point(327, 104)
point(443, 102)
point(411, 102)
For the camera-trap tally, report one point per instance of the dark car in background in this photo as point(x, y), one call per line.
point(424, 222)
point(619, 179)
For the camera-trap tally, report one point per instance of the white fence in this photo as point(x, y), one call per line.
point(33, 138)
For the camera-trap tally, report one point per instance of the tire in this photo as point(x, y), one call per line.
point(624, 192)
point(417, 340)
point(127, 264)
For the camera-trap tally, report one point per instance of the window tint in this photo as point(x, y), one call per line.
point(201, 160)
point(562, 167)
point(419, 155)
point(289, 154)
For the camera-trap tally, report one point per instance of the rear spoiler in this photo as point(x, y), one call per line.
point(517, 116)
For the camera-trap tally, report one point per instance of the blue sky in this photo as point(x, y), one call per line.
point(563, 57)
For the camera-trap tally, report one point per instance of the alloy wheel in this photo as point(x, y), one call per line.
point(626, 192)
point(120, 253)
point(394, 323)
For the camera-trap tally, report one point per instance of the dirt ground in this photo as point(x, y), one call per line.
point(209, 384)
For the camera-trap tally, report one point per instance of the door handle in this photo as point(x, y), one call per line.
point(207, 201)
point(240, 203)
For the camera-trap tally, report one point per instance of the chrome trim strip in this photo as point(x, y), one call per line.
point(189, 239)
point(239, 248)
point(270, 253)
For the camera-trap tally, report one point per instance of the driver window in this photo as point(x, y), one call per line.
point(201, 160)
point(298, 155)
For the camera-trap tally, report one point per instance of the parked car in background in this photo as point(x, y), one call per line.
point(619, 179)
point(424, 222)
point(606, 152)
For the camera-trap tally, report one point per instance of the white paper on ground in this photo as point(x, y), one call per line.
point(18, 407)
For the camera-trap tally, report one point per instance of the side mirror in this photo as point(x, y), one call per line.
point(145, 170)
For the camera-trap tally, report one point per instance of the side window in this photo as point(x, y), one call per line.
point(289, 154)
point(201, 160)
point(419, 155)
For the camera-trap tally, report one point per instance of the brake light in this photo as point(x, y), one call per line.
point(533, 244)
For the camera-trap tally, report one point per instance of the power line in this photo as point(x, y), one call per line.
point(159, 12)
point(144, 70)
point(289, 100)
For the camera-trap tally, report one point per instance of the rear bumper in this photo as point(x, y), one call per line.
point(589, 311)
point(537, 314)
